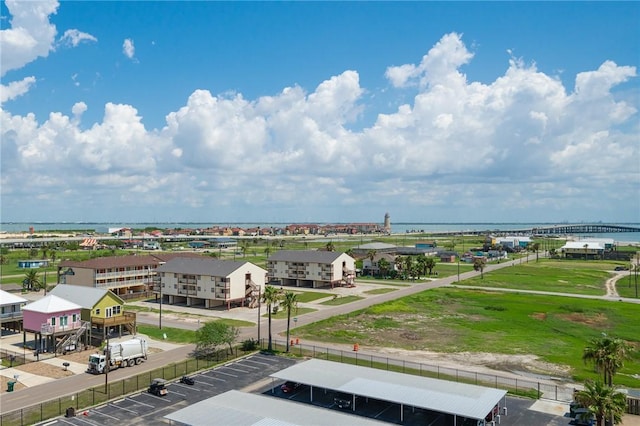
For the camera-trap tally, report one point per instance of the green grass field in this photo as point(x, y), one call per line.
point(454, 320)
point(562, 276)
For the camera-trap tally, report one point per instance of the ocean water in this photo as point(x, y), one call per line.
point(396, 228)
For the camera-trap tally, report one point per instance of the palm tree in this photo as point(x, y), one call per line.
point(290, 303)
point(371, 254)
point(535, 247)
point(267, 251)
point(31, 281)
point(330, 246)
point(602, 401)
point(244, 248)
point(383, 265)
point(430, 263)
point(478, 265)
point(608, 355)
point(270, 296)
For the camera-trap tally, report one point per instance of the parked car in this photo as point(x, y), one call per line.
point(288, 387)
point(620, 268)
point(342, 400)
point(158, 387)
point(187, 380)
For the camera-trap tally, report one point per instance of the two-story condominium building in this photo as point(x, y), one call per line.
point(210, 282)
point(11, 311)
point(308, 268)
point(123, 275)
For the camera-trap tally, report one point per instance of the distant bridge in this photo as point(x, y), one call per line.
point(583, 228)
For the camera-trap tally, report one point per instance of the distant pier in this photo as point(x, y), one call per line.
point(550, 230)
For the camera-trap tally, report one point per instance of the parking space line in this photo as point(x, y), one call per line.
point(83, 420)
point(253, 367)
point(178, 393)
point(183, 386)
point(158, 397)
point(103, 414)
point(140, 402)
point(226, 374)
point(239, 370)
point(122, 408)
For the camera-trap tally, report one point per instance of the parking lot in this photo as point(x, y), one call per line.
point(251, 374)
point(145, 408)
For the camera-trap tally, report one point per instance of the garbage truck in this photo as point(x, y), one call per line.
point(124, 354)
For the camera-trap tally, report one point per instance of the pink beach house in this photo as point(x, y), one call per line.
point(51, 319)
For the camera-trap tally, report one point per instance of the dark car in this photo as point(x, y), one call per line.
point(620, 268)
point(288, 387)
point(158, 387)
point(187, 380)
point(342, 401)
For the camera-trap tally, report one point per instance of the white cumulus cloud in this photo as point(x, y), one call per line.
point(15, 89)
point(128, 48)
point(75, 37)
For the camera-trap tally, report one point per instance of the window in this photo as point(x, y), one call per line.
point(175, 286)
point(74, 318)
point(116, 310)
point(213, 278)
point(63, 321)
point(211, 289)
point(53, 321)
point(199, 288)
point(97, 311)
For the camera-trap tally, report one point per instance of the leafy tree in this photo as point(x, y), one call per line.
point(32, 281)
point(430, 263)
point(271, 296)
point(330, 246)
point(478, 265)
point(608, 355)
point(33, 253)
point(289, 302)
point(384, 266)
point(213, 334)
point(602, 401)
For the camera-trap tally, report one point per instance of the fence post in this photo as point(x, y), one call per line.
point(123, 380)
point(539, 390)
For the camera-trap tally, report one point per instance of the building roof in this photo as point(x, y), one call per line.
point(50, 304)
point(86, 297)
point(7, 298)
point(201, 266)
point(130, 260)
point(375, 246)
point(460, 399)
point(575, 245)
point(235, 408)
point(312, 256)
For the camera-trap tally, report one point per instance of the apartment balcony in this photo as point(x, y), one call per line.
point(11, 316)
point(187, 291)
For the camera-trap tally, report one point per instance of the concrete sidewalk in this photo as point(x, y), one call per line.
point(24, 378)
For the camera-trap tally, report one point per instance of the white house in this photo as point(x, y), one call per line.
point(210, 282)
point(583, 249)
point(11, 310)
point(309, 268)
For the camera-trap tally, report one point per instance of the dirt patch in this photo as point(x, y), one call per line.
point(45, 370)
point(482, 362)
point(6, 380)
point(82, 357)
point(598, 319)
point(541, 316)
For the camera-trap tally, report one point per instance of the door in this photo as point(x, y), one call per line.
point(108, 312)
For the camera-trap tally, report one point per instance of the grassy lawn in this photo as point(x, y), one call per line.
point(282, 314)
point(174, 335)
point(341, 300)
point(563, 276)
point(454, 320)
point(626, 286)
point(380, 290)
point(310, 296)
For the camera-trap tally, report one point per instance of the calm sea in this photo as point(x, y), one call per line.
point(397, 228)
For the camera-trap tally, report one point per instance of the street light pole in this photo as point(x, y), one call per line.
point(107, 354)
point(259, 304)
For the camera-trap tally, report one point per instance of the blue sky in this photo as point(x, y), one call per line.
point(327, 111)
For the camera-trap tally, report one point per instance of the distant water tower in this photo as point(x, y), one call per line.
point(387, 223)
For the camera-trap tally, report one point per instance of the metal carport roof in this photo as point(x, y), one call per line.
point(459, 399)
point(235, 408)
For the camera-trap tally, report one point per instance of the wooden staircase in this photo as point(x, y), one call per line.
point(73, 339)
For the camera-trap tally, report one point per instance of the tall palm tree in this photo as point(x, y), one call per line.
point(535, 247)
point(290, 303)
point(384, 266)
point(270, 296)
point(430, 263)
point(603, 401)
point(31, 280)
point(267, 251)
point(608, 355)
point(371, 254)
